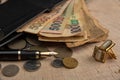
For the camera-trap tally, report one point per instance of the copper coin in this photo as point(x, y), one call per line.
point(70, 62)
point(32, 65)
point(17, 44)
point(10, 70)
point(63, 52)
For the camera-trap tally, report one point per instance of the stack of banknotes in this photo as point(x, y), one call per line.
point(69, 22)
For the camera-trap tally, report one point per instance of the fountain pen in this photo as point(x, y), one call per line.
point(23, 55)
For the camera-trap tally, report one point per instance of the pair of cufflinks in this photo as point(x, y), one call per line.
point(104, 51)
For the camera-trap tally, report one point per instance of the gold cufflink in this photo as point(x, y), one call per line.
point(102, 52)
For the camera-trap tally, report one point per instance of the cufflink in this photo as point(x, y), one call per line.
point(102, 52)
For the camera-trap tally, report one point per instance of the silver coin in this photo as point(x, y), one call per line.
point(57, 63)
point(17, 44)
point(32, 65)
point(10, 70)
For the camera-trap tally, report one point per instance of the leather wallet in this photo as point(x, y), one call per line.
point(15, 13)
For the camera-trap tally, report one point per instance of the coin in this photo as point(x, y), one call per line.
point(17, 44)
point(33, 40)
point(57, 63)
point(70, 62)
point(32, 65)
point(41, 48)
point(63, 52)
point(10, 70)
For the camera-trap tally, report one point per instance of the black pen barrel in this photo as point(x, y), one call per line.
point(19, 55)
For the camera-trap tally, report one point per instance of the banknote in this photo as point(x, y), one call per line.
point(36, 24)
point(69, 22)
point(57, 25)
point(94, 30)
point(96, 34)
point(70, 30)
point(63, 39)
point(69, 25)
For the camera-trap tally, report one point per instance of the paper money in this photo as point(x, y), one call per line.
point(69, 22)
point(57, 25)
point(69, 25)
point(94, 30)
point(41, 20)
point(63, 39)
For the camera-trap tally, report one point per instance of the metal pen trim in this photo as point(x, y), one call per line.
point(37, 54)
point(19, 55)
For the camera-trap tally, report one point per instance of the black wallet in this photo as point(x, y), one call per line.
point(14, 13)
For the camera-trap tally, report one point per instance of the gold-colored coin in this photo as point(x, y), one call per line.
point(70, 62)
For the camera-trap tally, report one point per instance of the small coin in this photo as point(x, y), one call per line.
point(63, 52)
point(10, 70)
point(57, 63)
point(70, 62)
point(33, 40)
point(32, 65)
point(17, 44)
point(40, 48)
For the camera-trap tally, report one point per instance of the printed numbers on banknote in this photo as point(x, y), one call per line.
point(75, 26)
point(56, 24)
point(35, 26)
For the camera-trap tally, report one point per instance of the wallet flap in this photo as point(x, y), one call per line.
point(14, 13)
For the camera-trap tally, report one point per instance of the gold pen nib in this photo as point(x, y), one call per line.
point(48, 53)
